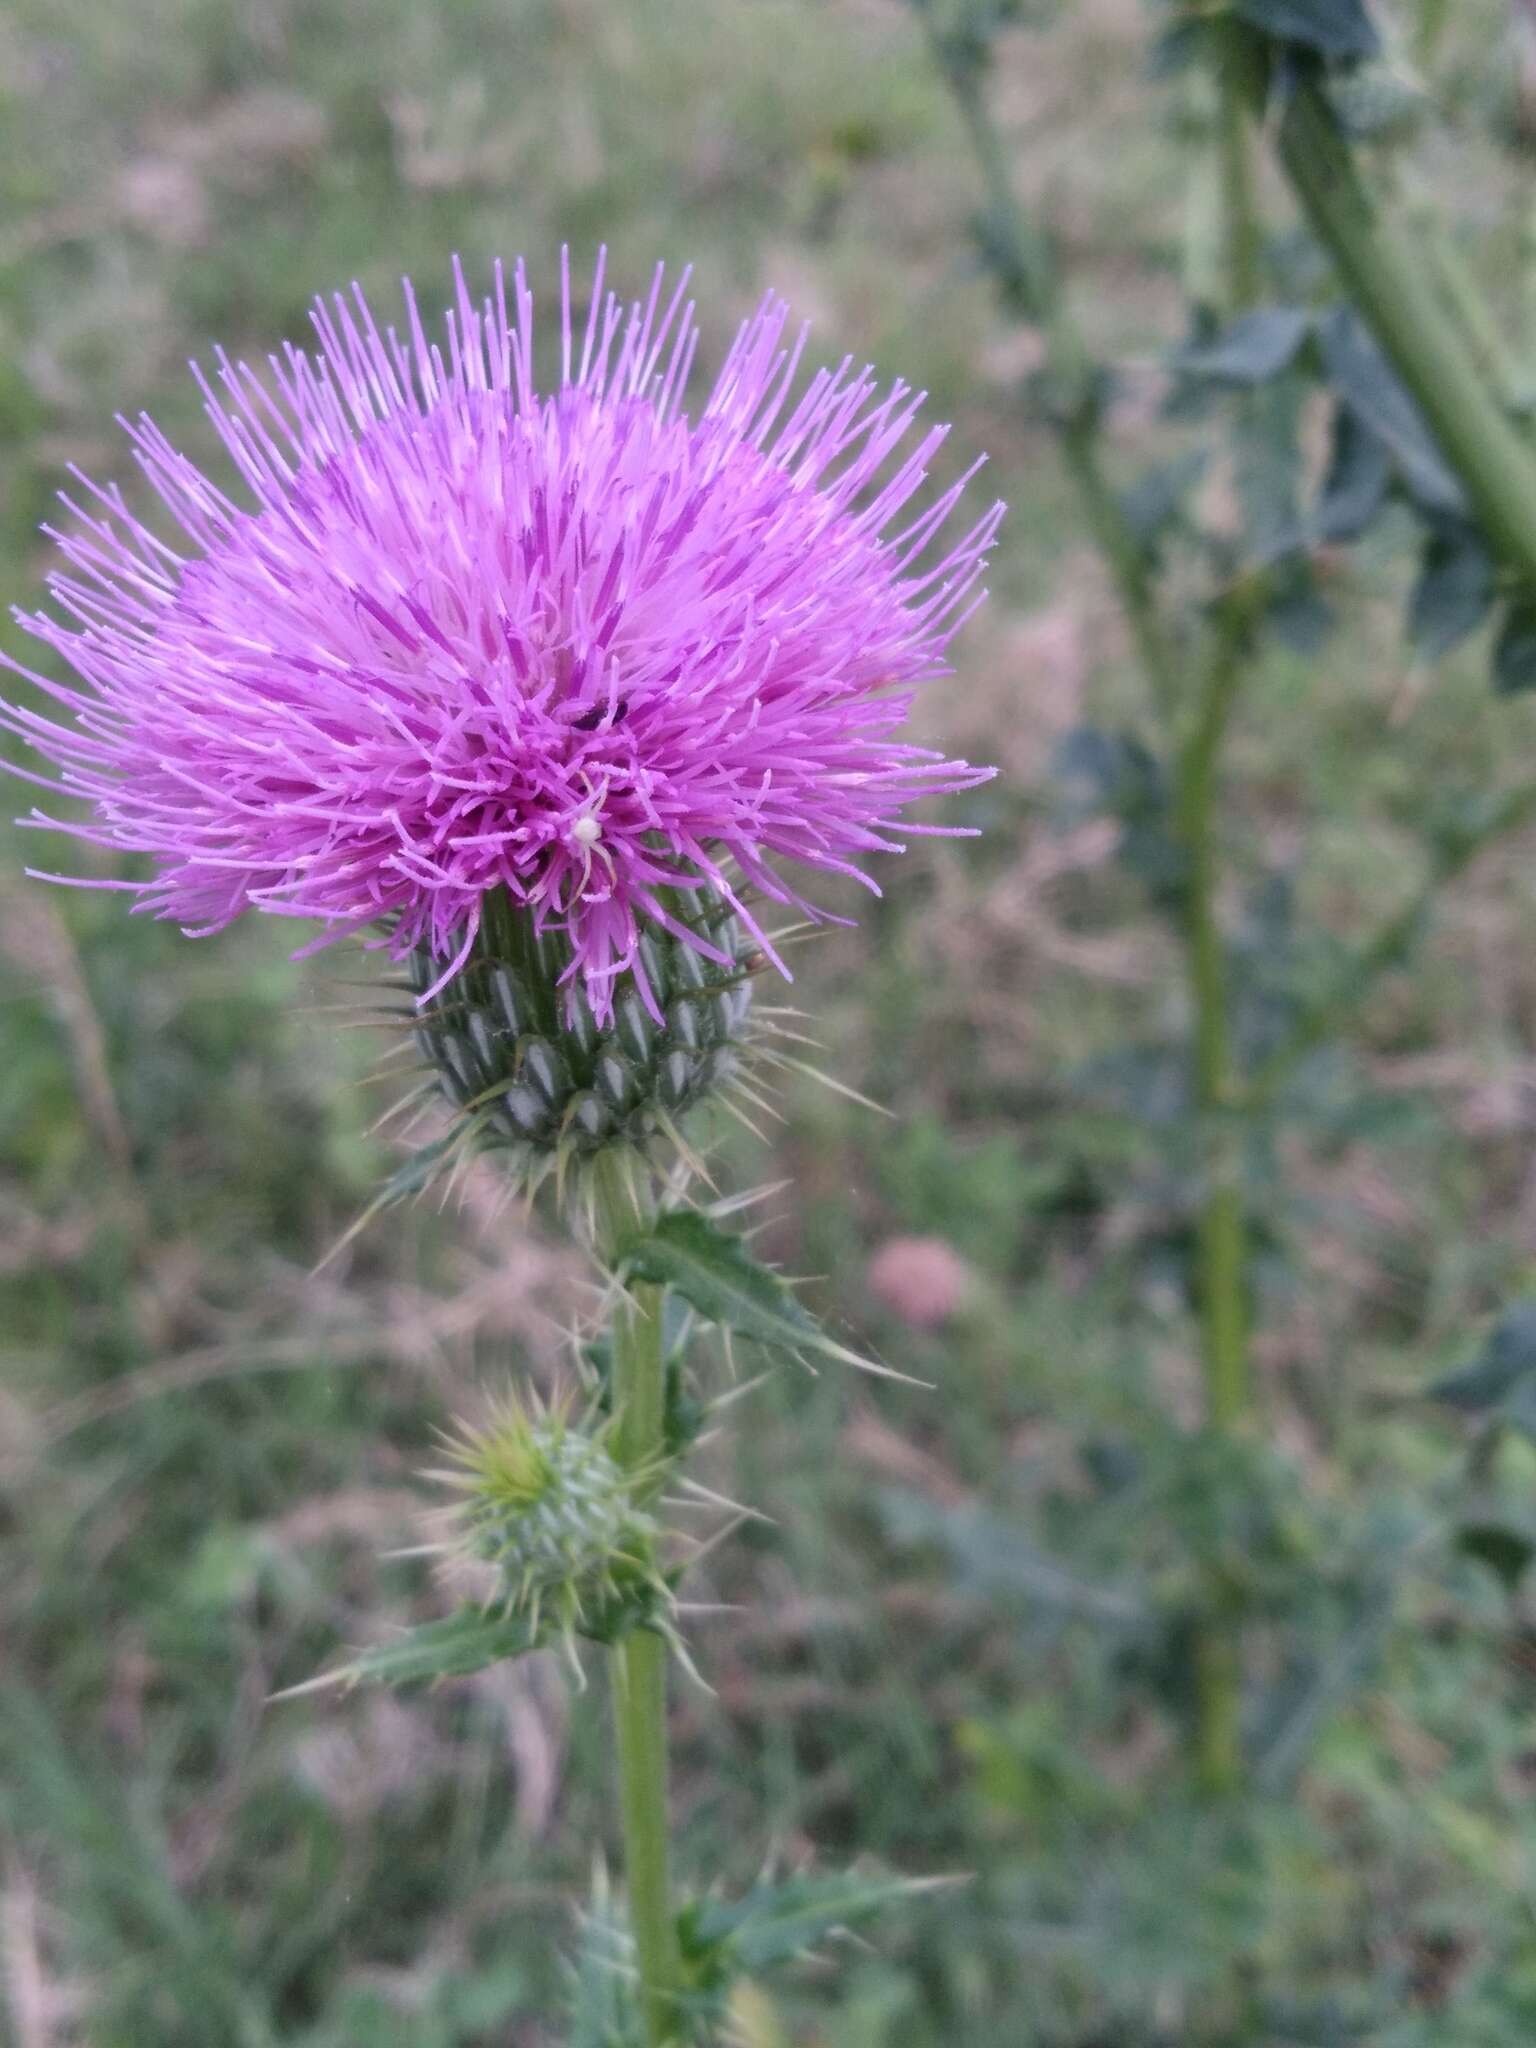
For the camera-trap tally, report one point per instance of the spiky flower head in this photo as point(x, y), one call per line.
point(469, 637)
point(541, 1498)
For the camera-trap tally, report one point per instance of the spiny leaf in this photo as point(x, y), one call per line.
point(604, 2009)
point(711, 1268)
point(776, 1922)
point(456, 1647)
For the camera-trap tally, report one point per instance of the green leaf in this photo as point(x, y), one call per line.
point(994, 1560)
point(712, 1270)
point(1355, 487)
point(1267, 469)
point(1338, 30)
point(603, 2009)
point(465, 1642)
point(1112, 773)
point(1514, 652)
point(1505, 1550)
point(1252, 349)
point(775, 1923)
point(1454, 592)
point(1501, 1379)
point(1371, 388)
point(1377, 102)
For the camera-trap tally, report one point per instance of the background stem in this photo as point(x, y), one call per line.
point(1386, 281)
point(1031, 284)
point(1222, 1235)
point(1222, 1259)
point(639, 1661)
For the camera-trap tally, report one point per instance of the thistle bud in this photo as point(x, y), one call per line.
point(544, 1502)
point(516, 1043)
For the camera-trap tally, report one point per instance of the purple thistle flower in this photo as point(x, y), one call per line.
point(580, 647)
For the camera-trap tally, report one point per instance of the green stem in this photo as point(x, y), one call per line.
point(1242, 227)
point(1027, 270)
point(1399, 300)
point(639, 1661)
point(1223, 1228)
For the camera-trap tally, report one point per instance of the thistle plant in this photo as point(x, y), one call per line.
point(1383, 348)
point(534, 689)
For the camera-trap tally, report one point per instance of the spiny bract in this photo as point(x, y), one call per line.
point(517, 1047)
point(545, 1502)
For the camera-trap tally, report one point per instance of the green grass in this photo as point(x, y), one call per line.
point(957, 1647)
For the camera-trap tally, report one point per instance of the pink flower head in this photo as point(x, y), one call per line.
point(582, 647)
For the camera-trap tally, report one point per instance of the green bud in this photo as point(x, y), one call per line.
point(544, 1502)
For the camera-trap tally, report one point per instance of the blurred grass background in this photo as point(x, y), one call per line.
point(940, 1656)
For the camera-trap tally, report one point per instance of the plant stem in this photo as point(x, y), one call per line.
point(1222, 1255)
point(639, 1661)
point(1242, 228)
point(1222, 1229)
point(1031, 282)
point(1388, 284)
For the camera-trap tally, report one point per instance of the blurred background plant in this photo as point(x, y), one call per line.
point(973, 1633)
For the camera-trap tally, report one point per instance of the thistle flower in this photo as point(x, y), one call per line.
point(468, 639)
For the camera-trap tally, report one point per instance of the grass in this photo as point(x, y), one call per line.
point(958, 1643)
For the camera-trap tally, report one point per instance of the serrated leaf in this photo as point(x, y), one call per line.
point(463, 1643)
point(1367, 383)
point(603, 2009)
point(1251, 349)
point(1355, 487)
point(1339, 30)
point(714, 1272)
point(1514, 652)
point(1454, 592)
point(775, 1923)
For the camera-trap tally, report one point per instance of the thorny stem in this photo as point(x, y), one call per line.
point(639, 1661)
